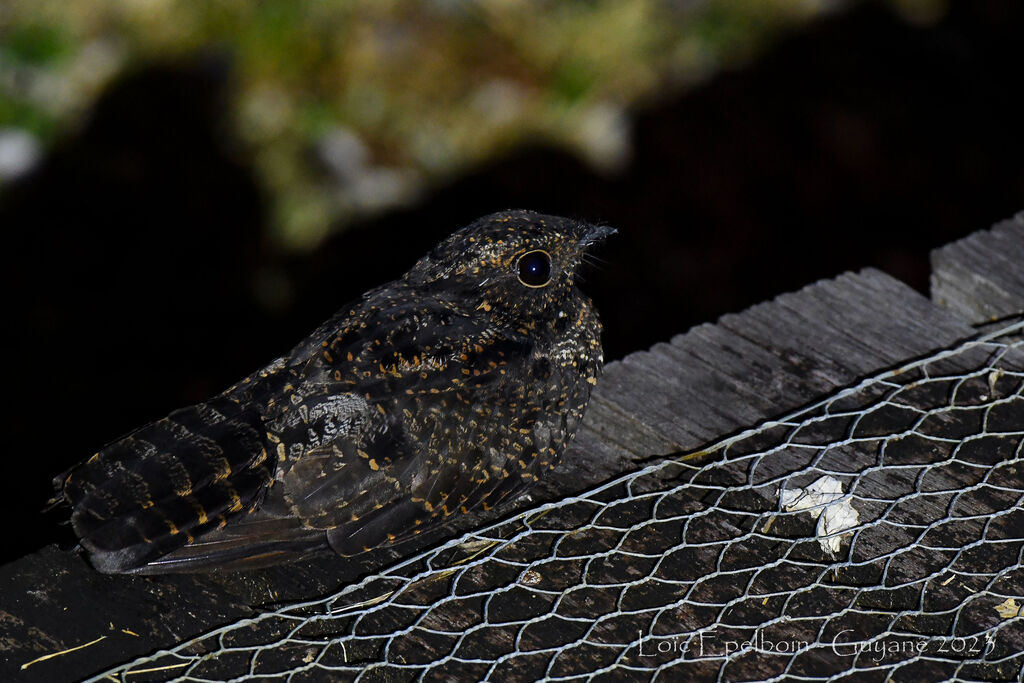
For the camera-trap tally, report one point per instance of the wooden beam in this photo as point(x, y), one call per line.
point(981, 277)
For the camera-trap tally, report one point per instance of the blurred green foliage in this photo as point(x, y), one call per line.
point(390, 97)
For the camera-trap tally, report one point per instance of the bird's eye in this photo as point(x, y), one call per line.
point(534, 268)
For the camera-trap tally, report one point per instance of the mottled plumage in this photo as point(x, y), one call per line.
point(446, 390)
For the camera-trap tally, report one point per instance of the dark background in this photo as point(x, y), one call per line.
point(132, 252)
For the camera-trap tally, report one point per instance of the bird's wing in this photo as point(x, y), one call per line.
point(439, 427)
point(376, 430)
point(402, 418)
point(250, 541)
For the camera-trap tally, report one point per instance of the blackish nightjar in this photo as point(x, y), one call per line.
point(444, 391)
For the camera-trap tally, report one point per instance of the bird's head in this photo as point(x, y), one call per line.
point(514, 265)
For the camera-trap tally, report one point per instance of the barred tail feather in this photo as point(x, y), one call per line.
point(156, 489)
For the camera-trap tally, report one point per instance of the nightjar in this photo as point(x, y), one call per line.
point(447, 390)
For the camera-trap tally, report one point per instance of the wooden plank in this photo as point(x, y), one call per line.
point(707, 383)
point(980, 277)
point(779, 355)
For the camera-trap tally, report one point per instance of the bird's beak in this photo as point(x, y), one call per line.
point(596, 233)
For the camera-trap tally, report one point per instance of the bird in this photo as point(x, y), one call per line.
point(446, 391)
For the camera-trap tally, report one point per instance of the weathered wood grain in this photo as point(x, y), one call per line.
point(981, 277)
point(766, 361)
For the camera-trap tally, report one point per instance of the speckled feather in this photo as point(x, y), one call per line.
point(447, 390)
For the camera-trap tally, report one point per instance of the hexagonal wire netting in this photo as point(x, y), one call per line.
point(877, 531)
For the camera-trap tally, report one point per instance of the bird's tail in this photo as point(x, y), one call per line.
point(157, 488)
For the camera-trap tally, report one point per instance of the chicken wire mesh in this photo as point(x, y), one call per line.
point(877, 533)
